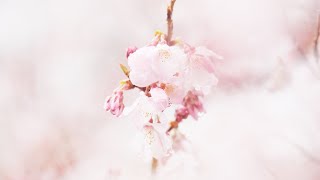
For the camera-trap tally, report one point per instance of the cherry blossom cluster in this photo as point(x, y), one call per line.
point(171, 76)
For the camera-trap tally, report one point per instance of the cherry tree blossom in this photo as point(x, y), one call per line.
point(170, 74)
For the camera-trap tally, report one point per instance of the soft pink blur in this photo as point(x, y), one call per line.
point(59, 59)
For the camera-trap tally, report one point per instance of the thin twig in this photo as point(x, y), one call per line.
point(169, 20)
point(173, 125)
point(154, 165)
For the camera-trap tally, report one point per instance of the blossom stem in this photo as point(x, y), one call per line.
point(173, 125)
point(169, 21)
point(154, 165)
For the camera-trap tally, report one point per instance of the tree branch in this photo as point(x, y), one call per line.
point(169, 20)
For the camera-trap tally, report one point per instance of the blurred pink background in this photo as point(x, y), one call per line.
point(59, 59)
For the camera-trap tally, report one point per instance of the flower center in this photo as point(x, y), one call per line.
point(169, 89)
point(164, 55)
point(147, 114)
point(149, 135)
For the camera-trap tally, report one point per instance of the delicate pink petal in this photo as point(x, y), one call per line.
point(170, 61)
point(208, 53)
point(175, 92)
point(141, 73)
point(142, 79)
point(114, 103)
point(131, 50)
point(159, 98)
point(157, 141)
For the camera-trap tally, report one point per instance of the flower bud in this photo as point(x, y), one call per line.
point(181, 114)
point(114, 103)
point(131, 50)
point(193, 103)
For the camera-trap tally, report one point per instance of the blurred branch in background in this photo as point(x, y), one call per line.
point(316, 41)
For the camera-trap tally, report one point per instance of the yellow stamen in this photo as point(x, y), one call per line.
point(164, 55)
point(158, 33)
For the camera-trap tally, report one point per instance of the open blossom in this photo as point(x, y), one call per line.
point(141, 73)
point(114, 103)
point(193, 103)
point(175, 91)
point(159, 98)
point(146, 109)
point(147, 115)
point(156, 63)
point(170, 62)
point(200, 72)
point(203, 58)
point(155, 141)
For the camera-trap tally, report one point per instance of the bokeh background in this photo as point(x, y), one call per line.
point(60, 58)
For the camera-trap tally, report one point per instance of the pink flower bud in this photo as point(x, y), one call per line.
point(181, 114)
point(193, 104)
point(131, 50)
point(114, 103)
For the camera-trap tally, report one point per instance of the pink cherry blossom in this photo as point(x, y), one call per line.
point(140, 63)
point(152, 124)
point(200, 72)
point(175, 91)
point(170, 62)
point(193, 103)
point(145, 110)
point(168, 73)
point(199, 79)
point(156, 63)
point(204, 58)
point(156, 142)
point(114, 103)
point(159, 98)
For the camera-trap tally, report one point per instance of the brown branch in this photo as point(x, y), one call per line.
point(154, 165)
point(169, 20)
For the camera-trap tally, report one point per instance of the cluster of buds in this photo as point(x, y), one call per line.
point(192, 105)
